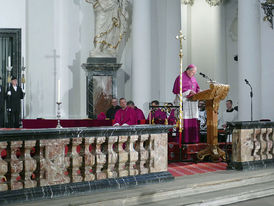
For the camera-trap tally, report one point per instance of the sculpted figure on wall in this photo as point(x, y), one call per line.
point(111, 25)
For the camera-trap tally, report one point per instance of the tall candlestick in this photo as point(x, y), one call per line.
point(59, 91)
point(9, 61)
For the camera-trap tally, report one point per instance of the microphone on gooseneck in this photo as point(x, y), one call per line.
point(246, 81)
point(203, 75)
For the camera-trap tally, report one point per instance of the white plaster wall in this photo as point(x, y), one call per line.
point(13, 15)
point(231, 14)
point(67, 27)
point(205, 44)
point(267, 70)
point(40, 77)
point(208, 43)
point(165, 48)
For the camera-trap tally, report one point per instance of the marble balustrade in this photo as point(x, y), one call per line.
point(252, 145)
point(48, 157)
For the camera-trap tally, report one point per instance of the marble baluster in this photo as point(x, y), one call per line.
point(77, 160)
point(151, 150)
point(257, 144)
point(272, 139)
point(56, 162)
point(243, 141)
point(100, 159)
point(43, 179)
point(123, 157)
point(89, 158)
point(3, 168)
point(16, 165)
point(269, 143)
point(144, 154)
point(112, 158)
point(133, 155)
point(30, 165)
point(263, 143)
point(159, 151)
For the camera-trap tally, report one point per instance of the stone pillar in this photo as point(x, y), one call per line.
point(249, 58)
point(141, 63)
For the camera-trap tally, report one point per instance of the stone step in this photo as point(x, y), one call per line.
point(222, 197)
point(184, 190)
point(203, 190)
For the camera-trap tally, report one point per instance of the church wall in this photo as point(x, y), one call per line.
point(66, 27)
point(165, 48)
point(10, 9)
point(267, 65)
point(207, 42)
point(40, 73)
point(231, 14)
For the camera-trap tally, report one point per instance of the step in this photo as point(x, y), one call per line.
point(183, 188)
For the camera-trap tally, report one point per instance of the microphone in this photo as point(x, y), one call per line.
point(246, 81)
point(203, 75)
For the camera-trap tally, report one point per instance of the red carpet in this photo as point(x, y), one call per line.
point(188, 168)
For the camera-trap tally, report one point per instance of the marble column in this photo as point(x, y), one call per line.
point(249, 58)
point(141, 64)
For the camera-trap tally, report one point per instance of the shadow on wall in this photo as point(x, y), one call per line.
point(75, 93)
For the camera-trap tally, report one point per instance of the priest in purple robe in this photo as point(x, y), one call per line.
point(139, 113)
point(171, 114)
point(157, 114)
point(191, 112)
point(125, 116)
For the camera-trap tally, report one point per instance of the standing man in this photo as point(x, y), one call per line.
point(14, 96)
point(229, 115)
point(191, 112)
point(113, 109)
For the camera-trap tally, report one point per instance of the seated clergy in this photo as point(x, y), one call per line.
point(171, 114)
point(139, 113)
point(101, 116)
point(125, 116)
point(113, 109)
point(156, 113)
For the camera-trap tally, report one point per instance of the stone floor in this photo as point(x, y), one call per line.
point(266, 201)
point(216, 188)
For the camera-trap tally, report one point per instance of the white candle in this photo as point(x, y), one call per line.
point(59, 91)
point(22, 62)
point(9, 61)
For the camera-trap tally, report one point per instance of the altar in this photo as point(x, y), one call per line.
point(51, 123)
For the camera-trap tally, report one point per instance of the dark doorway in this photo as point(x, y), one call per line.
point(10, 45)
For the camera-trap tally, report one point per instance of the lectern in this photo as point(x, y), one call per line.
point(212, 97)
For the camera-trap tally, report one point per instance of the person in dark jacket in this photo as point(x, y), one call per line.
point(14, 96)
point(113, 109)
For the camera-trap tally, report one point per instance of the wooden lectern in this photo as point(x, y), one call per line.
point(212, 97)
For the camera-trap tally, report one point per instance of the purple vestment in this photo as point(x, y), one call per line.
point(101, 116)
point(187, 84)
point(172, 118)
point(139, 114)
point(158, 114)
point(191, 127)
point(125, 116)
